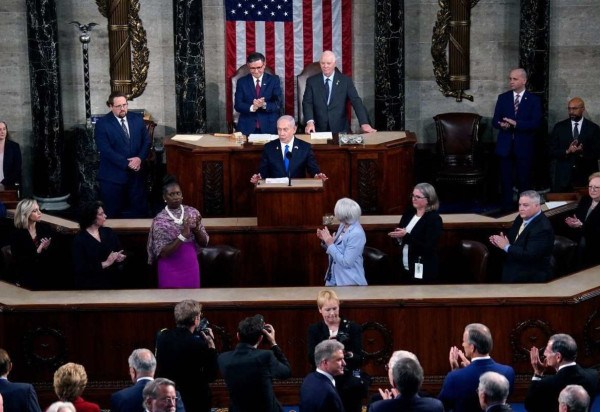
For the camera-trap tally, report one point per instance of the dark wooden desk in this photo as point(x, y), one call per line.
point(215, 176)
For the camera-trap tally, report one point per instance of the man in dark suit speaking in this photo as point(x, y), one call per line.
point(257, 98)
point(528, 243)
point(249, 371)
point(324, 101)
point(574, 148)
point(287, 156)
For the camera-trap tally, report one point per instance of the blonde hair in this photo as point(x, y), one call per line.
point(70, 381)
point(325, 296)
point(23, 211)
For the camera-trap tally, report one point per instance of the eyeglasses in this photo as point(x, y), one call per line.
point(256, 68)
point(168, 399)
point(594, 187)
point(121, 106)
point(418, 197)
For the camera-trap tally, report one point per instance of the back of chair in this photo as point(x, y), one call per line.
point(377, 267)
point(218, 265)
point(476, 254)
point(457, 137)
point(309, 70)
point(241, 72)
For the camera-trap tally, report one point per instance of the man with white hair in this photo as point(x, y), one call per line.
point(493, 391)
point(574, 398)
point(324, 101)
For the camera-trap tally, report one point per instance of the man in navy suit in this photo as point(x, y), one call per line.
point(258, 98)
point(318, 393)
point(517, 116)
point(560, 355)
point(19, 397)
point(249, 371)
point(459, 391)
point(407, 378)
point(493, 391)
point(324, 100)
point(142, 365)
point(574, 148)
point(123, 142)
point(528, 243)
point(287, 156)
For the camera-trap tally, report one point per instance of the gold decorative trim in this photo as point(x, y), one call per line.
point(439, 44)
point(140, 55)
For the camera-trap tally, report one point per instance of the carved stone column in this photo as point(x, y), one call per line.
point(389, 65)
point(46, 104)
point(120, 49)
point(189, 66)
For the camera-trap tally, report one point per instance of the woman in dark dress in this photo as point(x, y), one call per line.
point(10, 159)
point(97, 253)
point(30, 246)
point(418, 234)
point(352, 385)
point(587, 221)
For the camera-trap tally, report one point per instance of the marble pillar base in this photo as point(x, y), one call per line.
point(53, 203)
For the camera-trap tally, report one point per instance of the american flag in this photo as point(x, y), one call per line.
point(291, 34)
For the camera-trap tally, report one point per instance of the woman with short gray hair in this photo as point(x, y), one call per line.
point(345, 247)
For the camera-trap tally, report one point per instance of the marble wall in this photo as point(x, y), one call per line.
point(574, 62)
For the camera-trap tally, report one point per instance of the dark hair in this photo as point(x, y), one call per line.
point(251, 329)
point(88, 212)
point(408, 376)
point(113, 96)
point(4, 362)
point(254, 57)
point(168, 181)
point(6, 125)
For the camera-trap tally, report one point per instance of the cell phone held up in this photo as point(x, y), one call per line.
point(203, 326)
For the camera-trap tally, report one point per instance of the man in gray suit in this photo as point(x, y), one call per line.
point(324, 101)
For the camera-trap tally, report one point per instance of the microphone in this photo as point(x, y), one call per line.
point(288, 156)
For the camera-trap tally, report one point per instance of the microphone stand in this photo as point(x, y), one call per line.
point(288, 156)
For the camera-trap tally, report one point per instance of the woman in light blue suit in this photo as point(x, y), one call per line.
point(345, 247)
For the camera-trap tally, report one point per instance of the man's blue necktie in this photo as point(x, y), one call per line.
point(286, 161)
point(327, 89)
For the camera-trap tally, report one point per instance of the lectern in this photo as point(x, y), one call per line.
point(281, 205)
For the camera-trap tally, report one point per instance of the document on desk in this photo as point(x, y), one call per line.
point(555, 204)
point(261, 138)
point(321, 136)
point(276, 180)
point(188, 138)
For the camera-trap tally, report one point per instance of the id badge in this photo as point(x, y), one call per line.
point(418, 271)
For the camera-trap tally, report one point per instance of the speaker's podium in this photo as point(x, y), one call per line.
point(279, 204)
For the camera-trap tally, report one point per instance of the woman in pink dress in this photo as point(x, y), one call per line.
point(175, 239)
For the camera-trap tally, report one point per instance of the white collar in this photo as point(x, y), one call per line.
point(329, 376)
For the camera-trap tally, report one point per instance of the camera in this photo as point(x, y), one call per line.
point(342, 337)
point(203, 326)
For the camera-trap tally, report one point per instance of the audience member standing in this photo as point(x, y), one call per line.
point(351, 387)
point(142, 365)
point(528, 243)
point(459, 391)
point(418, 234)
point(70, 381)
point(123, 142)
point(10, 159)
point(60, 407)
point(587, 220)
point(517, 116)
point(325, 97)
point(188, 356)
point(258, 98)
point(560, 354)
point(16, 396)
point(407, 376)
point(318, 392)
point(345, 247)
point(574, 148)
point(493, 391)
point(97, 254)
point(249, 371)
point(160, 395)
point(573, 398)
point(30, 246)
point(175, 239)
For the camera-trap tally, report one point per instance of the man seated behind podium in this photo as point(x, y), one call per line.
point(287, 156)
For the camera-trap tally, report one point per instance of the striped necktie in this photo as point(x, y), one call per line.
point(517, 101)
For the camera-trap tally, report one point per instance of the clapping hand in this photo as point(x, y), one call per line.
point(44, 243)
point(573, 222)
point(538, 366)
point(325, 236)
point(457, 358)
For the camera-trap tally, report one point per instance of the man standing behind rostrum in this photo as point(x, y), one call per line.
point(249, 371)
